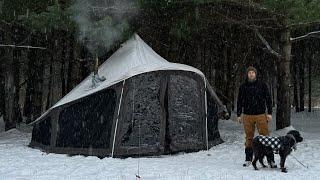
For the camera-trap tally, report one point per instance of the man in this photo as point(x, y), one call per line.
point(254, 101)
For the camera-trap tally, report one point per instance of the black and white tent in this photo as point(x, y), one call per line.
point(146, 106)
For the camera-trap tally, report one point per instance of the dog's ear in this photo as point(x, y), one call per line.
point(296, 135)
point(293, 132)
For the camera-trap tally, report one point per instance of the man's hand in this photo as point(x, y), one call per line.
point(269, 117)
point(239, 119)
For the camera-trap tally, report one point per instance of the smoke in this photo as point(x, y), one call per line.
point(101, 23)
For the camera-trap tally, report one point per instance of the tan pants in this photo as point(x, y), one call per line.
point(250, 122)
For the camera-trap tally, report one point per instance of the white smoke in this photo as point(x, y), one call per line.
point(102, 22)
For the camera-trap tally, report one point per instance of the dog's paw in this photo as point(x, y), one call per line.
point(273, 166)
point(284, 170)
point(264, 166)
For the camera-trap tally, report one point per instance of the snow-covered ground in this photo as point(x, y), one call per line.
point(224, 162)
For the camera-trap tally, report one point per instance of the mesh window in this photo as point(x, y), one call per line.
point(41, 132)
point(212, 118)
point(88, 122)
point(185, 119)
point(142, 111)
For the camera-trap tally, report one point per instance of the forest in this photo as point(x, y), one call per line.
point(47, 47)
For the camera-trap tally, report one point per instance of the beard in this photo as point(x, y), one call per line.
point(252, 80)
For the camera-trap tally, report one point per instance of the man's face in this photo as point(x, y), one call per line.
point(252, 75)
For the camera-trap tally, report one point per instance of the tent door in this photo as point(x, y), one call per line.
point(185, 113)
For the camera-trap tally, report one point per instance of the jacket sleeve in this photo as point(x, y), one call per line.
point(268, 99)
point(240, 101)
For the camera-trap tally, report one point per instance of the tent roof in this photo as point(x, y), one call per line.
point(133, 58)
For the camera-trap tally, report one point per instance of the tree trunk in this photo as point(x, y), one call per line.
point(72, 63)
point(310, 85)
point(295, 84)
point(10, 74)
point(2, 99)
point(56, 85)
point(49, 97)
point(301, 80)
point(283, 76)
point(9, 95)
point(23, 79)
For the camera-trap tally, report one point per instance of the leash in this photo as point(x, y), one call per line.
point(305, 166)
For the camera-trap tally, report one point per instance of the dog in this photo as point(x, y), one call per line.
point(267, 146)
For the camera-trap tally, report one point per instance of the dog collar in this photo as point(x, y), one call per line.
point(294, 147)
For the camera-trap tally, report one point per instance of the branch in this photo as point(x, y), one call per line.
point(94, 8)
point(243, 23)
point(255, 28)
point(304, 24)
point(265, 42)
point(310, 34)
point(15, 46)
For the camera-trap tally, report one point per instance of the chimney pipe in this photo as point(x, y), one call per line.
point(96, 65)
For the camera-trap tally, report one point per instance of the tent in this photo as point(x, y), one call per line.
point(145, 106)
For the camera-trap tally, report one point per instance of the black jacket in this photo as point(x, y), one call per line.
point(254, 98)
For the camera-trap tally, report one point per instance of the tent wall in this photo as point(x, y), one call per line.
point(41, 132)
point(212, 118)
point(140, 129)
point(84, 126)
point(87, 123)
point(186, 112)
point(162, 112)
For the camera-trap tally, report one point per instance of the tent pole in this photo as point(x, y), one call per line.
point(116, 126)
point(206, 112)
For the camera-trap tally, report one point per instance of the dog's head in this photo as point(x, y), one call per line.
point(296, 135)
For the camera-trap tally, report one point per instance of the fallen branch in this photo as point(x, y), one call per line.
point(310, 34)
point(15, 46)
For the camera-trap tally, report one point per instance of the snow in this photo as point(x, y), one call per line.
point(18, 161)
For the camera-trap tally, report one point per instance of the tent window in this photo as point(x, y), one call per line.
point(88, 122)
point(142, 113)
point(41, 132)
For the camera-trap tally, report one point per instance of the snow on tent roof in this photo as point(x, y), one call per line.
point(133, 58)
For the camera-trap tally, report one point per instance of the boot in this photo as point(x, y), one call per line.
point(249, 155)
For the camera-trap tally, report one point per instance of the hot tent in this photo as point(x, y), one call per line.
point(146, 106)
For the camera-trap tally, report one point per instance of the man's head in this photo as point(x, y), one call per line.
point(251, 74)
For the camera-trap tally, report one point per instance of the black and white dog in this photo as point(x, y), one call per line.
point(266, 146)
